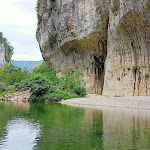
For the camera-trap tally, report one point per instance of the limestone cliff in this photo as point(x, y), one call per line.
point(6, 50)
point(2, 55)
point(109, 39)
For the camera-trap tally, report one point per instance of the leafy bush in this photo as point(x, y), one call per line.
point(43, 83)
point(69, 86)
point(79, 90)
point(39, 84)
point(11, 74)
point(3, 87)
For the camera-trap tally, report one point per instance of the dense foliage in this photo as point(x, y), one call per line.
point(9, 75)
point(8, 48)
point(43, 83)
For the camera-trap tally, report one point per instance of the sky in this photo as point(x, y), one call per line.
point(18, 22)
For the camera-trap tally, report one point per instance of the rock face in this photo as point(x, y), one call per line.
point(2, 55)
point(22, 96)
point(109, 39)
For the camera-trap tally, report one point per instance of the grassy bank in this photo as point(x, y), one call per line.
point(42, 82)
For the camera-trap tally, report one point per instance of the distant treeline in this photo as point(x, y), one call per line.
point(26, 65)
point(8, 48)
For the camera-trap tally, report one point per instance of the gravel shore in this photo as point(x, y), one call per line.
point(137, 102)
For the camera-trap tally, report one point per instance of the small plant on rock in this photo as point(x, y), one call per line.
point(139, 78)
point(38, 4)
point(134, 69)
point(146, 75)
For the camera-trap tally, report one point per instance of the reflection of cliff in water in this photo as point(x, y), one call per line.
point(53, 126)
point(121, 128)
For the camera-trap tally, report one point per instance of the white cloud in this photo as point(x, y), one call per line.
point(25, 57)
point(18, 23)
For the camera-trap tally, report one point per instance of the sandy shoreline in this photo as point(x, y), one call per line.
point(137, 102)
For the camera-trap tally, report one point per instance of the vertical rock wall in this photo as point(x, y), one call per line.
point(2, 55)
point(128, 57)
point(109, 39)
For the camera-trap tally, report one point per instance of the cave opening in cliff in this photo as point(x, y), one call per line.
point(99, 73)
point(99, 65)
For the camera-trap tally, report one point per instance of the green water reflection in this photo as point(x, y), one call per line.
point(57, 127)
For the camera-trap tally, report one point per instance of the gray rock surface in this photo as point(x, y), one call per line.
point(109, 39)
point(2, 55)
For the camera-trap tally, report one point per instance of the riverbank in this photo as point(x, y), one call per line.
point(91, 101)
point(17, 97)
point(137, 102)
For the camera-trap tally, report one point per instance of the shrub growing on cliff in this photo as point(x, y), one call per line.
point(134, 69)
point(146, 75)
point(38, 4)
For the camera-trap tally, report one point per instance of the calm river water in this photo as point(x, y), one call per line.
point(57, 127)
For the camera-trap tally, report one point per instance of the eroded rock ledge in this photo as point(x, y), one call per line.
point(22, 96)
point(109, 39)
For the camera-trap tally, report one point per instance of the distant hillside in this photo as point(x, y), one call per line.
point(27, 65)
